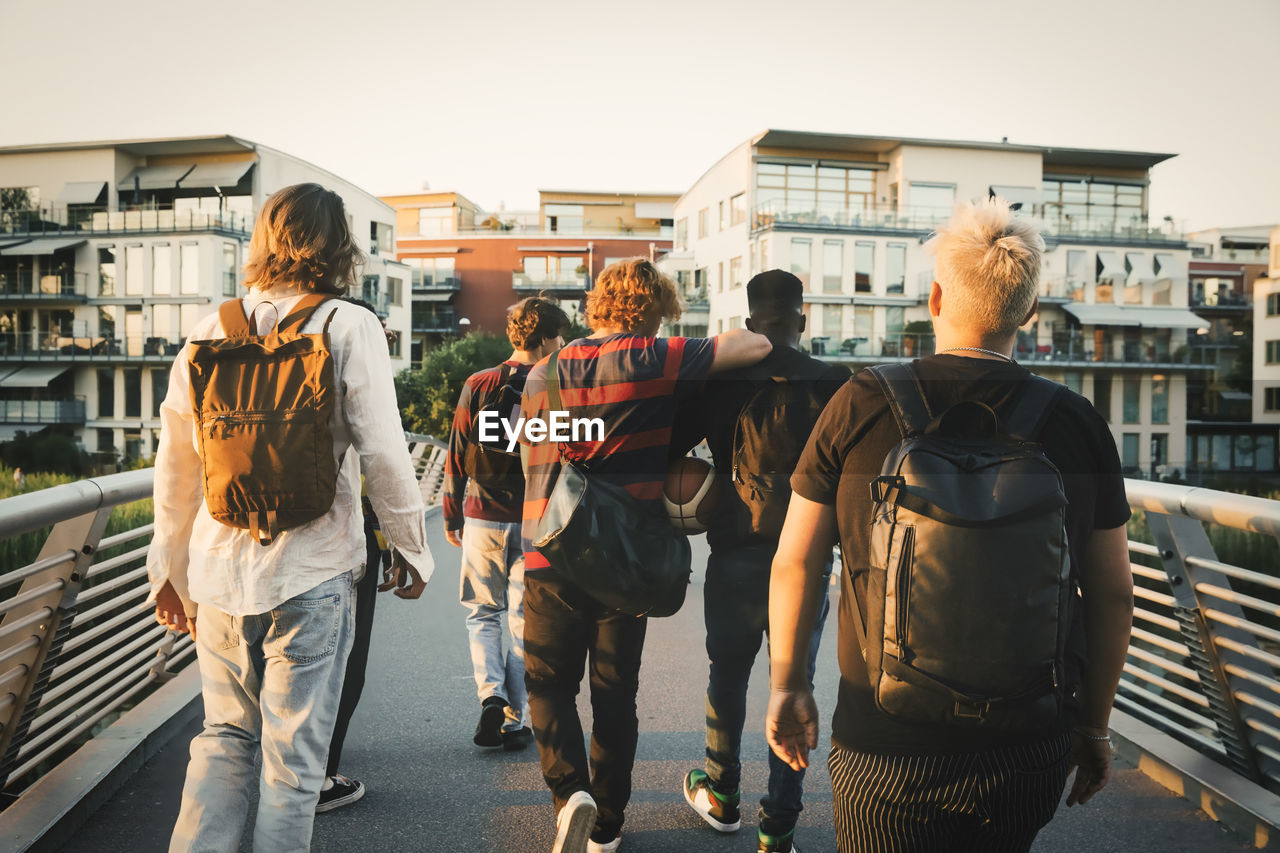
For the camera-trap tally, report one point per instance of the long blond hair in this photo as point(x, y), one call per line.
point(302, 238)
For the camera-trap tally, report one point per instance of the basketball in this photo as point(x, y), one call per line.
point(690, 494)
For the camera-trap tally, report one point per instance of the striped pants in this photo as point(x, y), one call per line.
point(990, 801)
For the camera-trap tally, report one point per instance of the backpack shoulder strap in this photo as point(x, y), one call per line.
point(553, 383)
point(302, 312)
point(1033, 408)
point(234, 322)
point(901, 386)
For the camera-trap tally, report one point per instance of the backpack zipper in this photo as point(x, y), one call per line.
point(904, 589)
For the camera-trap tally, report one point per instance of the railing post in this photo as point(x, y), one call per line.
point(1179, 538)
point(78, 539)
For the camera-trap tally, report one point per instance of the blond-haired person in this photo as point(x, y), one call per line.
point(633, 381)
point(900, 786)
point(483, 502)
point(275, 622)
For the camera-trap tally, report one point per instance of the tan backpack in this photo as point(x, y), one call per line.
point(262, 405)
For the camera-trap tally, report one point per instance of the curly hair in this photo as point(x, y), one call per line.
point(302, 238)
point(533, 321)
point(634, 295)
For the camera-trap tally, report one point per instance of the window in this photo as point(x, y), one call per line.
point(932, 201)
point(682, 233)
point(381, 239)
point(863, 318)
point(738, 209)
point(801, 256)
point(720, 276)
point(832, 266)
point(161, 270)
point(106, 394)
point(864, 257)
point(735, 272)
point(564, 218)
point(162, 322)
point(896, 268)
point(1075, 206)
point(702, 224)
point(1132, 395)
point(554, 269)
point(133, 271)
point(1102, 395)
point(1273, 352)
point(832, 322)
point(107, 321)
point(393, 346)
point(133, 331)
point(1074, 380)
point(188, 316)
point(159, 387)
point(836, 192)
point(1159, 399)
point(1077, 271)
point(106, 271)
point(395, 290)
point(1273, 304)
point(428, 273)
point(229, 277)
point(189, 268)
point(1271, 400)
point(1160, 447)
point(433, 221)
point(895, 319)
point(724, 223)
point(1129, 450)
point(106, 440)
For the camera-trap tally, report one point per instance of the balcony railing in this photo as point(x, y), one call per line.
point(1230, 300)
point(551, 281)
point(436, 283)
point(58, 347)
point(859, 349)
point(52, 287)
point(42, 412)
point(36, 223)
point(440, 320)
point(1083, 350)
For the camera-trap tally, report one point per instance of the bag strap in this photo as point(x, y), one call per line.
point(1033, 408)
point(302, 312)
point(554, 403)
point(234, 322)
point(901, 386)
point(894, 491)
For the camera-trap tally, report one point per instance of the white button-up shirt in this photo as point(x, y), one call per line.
point(224, 567)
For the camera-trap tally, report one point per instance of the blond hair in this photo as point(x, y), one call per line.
point(533, 321)
point(302, 238)
point(633, 295)
point(988, 263)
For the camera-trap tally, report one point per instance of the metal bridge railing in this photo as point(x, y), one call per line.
point(77, 642)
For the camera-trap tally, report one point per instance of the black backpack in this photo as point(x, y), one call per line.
point(970, 596)
point(768, 439)
point(490, 465)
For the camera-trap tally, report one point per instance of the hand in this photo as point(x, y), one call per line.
point(170, 612)
point(791, 726)
point(402, 578)
point(454, 536)
point(1091, 759)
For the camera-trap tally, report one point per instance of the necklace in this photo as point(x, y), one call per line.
point(980, 349)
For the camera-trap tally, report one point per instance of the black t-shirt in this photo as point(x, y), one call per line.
point(714, 416)
point(845, 453)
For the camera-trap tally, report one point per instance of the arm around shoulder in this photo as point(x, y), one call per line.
point(739, 348)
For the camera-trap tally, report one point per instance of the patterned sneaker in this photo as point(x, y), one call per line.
point(343, 793)
point(717, 809)
point(489, 729)
point(776, 843)
point(574, 824)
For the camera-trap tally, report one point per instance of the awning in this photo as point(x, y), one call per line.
point(154, 178)
point(217, 174)
point(35, 376)
point(1135, 315)
point(81, 192)
point(428, 296)
point(1110, 266)
point(46, 246)
point(1235, 396)
point(655, 210)
point(1138, 265)
point(1172, 267)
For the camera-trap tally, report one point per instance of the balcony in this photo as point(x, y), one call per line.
point(570, 281)
point(42, 412)
point(54, 346)
point(863, 350)
point(80, 221)
point(1224, 300)
point(437, 320)
point(427, 283)
point(23, 286)
point(1079, 350)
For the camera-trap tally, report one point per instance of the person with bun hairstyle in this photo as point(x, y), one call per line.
point(482, 509)
point(274, 623)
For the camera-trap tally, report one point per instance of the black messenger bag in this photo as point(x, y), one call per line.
point(620, 551)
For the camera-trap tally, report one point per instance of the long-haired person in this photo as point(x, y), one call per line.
point(633, 381)
point(274, 625)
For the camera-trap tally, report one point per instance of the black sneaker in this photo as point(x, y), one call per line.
point(719, 810)
point(343, 793)
point(514, 740)
point(492, 715)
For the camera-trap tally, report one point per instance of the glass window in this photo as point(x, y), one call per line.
point(932, 202)
point(435, 220)
point(702, 224)
point(1102, 395)
point(801, 256)
point(1074, 380)
point(1077, 274)
point(229, 276)
point(896, 268)
point(832, 320)
point(1273, 352)
point(106, 440)
point(106, 271)
point(724, 223)
point(395, 290)
point(682, 233)
point(720, 276)
point(133, 271)
point(1159, 448)
point(564, 218)
point(161, 270)
point(133, 331)
point(381, 239)
point(107, 321)
point(1265, 453)
point(159, 387)
point(188, 316)
point(895, 318)
point(864, 255)
point(832, 266)
point(132, 392)
point(738, 205)
point(1159, 399)
point(863, 316)
point(106, 393)
point(834, 192)
point(189, 268)
point(1129, 450)
point(1132, 395)
point(161, 322)
point(735, 272)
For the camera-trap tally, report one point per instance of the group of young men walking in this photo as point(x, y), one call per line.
point(929, 752)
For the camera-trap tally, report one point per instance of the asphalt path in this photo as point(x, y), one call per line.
point(431, 790)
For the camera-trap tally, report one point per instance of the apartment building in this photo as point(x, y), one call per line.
point(468, 264)
point(850, 216)
point(1266, 339)
point(110, 252)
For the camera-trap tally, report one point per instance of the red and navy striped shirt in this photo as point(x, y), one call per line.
point(477, 392)
point(633, 384)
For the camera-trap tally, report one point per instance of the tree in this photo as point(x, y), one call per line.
point(429, 395)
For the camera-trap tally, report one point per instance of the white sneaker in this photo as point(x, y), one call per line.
point(574, 824)
point(607, 847)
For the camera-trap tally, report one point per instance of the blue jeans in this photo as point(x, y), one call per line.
point(736, 607)
point(271, 682)
point(492, 583)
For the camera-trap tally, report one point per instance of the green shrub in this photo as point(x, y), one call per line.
point(429, 395)
point(51, 449)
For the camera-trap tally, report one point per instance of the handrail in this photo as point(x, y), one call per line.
point(75, 621)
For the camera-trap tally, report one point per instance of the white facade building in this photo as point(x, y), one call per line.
point(850, 215)
point(1266, 339)
point(111, 251)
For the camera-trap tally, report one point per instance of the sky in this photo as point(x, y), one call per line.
point(497, 99)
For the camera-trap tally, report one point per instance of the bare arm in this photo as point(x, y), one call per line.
point(739, 348)
point(795, 587)
point(1106, 587)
